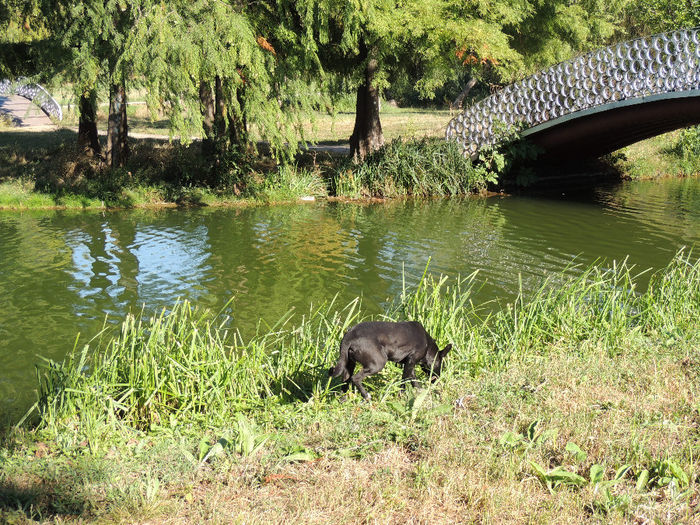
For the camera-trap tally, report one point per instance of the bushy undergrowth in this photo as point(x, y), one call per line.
point(187, 367)
point(289, 182)
point(427, 167)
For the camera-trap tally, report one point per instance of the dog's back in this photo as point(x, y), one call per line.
point(397, 339)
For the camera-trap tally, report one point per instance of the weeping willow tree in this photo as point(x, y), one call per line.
point(218, 69)
point(93, 37)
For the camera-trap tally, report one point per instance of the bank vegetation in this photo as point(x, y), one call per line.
point(578, 403)
point(46, 170)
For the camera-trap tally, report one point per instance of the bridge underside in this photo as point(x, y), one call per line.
point(603, 129)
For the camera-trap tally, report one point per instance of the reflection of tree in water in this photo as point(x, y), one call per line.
point(275, 259)
point(456, 235)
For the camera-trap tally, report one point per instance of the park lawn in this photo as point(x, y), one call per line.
point(578, 404)
point(322, 127)
point(359, 462)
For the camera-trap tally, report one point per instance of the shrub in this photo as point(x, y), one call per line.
point(687, 148)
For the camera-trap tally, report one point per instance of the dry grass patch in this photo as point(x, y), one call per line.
point(633, 409)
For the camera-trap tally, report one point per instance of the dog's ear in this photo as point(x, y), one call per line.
point(446, 349)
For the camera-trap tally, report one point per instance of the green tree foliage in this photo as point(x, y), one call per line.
point(23, 35)
point(242, 59)
point(645, 17)
point(555, 30)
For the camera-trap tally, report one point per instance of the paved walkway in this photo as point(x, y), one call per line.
point(23, 112)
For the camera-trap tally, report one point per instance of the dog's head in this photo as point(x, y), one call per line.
point(432, 364)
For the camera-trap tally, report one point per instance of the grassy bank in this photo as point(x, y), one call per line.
point(44, 169)
point(54, 174)
point(675, 154)
point(576, 404)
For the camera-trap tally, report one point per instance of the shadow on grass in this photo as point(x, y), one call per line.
point(34, 488)
point(38, 500)
point(36, 140)
point(302, 384)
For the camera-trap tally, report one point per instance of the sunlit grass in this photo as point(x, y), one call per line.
point(655, 158)
point(19, 194)
point(186, 364)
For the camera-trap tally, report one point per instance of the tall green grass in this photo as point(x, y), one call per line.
point(187, 368)
point(427, 167)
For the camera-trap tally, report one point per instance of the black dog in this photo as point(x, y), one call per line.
point(372, 344)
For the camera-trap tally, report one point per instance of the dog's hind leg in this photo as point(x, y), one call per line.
point(349, 371)
point(368, 370)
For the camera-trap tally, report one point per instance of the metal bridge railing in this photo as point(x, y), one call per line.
point(34, 92)
point(646, 66)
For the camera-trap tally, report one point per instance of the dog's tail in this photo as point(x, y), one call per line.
point(341, 366)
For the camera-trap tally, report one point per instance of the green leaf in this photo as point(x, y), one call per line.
point(216, 450)
point(679, 474)
point(597, 473)
point(621, 472)
point(642, 480)
point(561, 475)
point(303, 455)
point(203, 448)
point(532, 430)
point(576, 451)
point(539, 471)
point(511, 439)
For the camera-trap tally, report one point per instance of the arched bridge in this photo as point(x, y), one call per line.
point(34, 92)
point(595, 103)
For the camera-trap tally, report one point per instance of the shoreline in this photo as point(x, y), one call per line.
point(160, 175)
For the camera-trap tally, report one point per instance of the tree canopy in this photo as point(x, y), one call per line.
point(237, 71)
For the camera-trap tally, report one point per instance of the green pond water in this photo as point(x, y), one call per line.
point(62, 272)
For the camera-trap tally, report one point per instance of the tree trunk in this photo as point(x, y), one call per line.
point(460, 98)
point(367, 135)
point(87, 123)
point(237, 124)
point(206, 100)
point(219, 114)
point(117, 128)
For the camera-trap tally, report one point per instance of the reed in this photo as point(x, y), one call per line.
point(188, 368)
point(426, 167)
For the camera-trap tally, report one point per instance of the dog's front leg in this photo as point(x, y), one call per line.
point(409, 374)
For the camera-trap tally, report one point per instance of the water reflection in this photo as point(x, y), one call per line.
point(62, 273)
